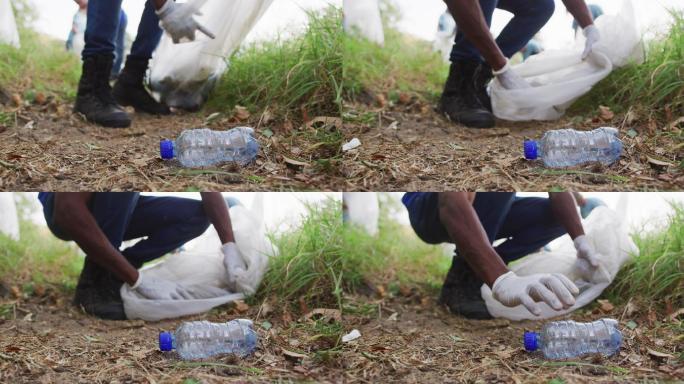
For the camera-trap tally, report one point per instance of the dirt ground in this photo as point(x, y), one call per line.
point(412, 147)
point(49, 148)
point(409, 147)
point(404, 339)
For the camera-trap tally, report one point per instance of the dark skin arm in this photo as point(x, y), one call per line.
point(458, 216)
point(580, 11)
point(471, 21)
point(73, 217)
point(463, 226)
point(564, 209)
point(159, 3)
point(216, 209)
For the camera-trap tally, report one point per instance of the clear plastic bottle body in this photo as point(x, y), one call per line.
point(201, 339)
point(566, 339)
point(568, 147)
point(204, 147)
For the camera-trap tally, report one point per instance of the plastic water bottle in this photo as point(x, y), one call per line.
point(568, 147)
point(201, 339)
point(565, 339)
point(203, 147)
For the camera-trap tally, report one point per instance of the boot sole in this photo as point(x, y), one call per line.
point(472, 124)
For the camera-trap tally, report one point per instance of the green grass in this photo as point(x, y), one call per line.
point(651, 87)
point(38, 258)
point(40, 65)
point(323, 259)
point(657, 274)
point(403, 64)
point(288, 76)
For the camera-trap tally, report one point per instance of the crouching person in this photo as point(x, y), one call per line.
point(100, 222)
point(474, 221)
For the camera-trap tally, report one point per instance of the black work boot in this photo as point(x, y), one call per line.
point(94, 98)
point(460, 102)
point(129, 89)
point(97, 292)
point(483, 74)
point(461, 291)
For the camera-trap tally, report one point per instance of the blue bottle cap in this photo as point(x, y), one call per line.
point(530, 148)
point(166, 149)
point(531, 341)
point(165, 341)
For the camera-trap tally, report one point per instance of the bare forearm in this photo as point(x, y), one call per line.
point(461, 222)
point(471, 22)
point(217, 211)
point(564, 210)
point(74, 218)
point(579, 10)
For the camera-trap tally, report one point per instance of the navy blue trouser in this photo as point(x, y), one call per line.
point(103, 22)
point(166, 222)
point(526, 222)
point(120, 43)
point(529, 17)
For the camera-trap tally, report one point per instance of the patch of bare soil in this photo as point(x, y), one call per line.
point(404, 339)
point(412, 147)
point(46, 147)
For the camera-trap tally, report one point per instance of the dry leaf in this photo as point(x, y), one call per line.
point(325, 314)
point(241, 113)
point(294, 162)
point(40, 98)
point(676, 314)
point(241, 306)
point(659, 354)
point(605, 113)
point(404, 98)
point(381, 100)
point(658, 163)
point(325, 121)
point(606, 306)
point(16, 100)
point(16, 292)
point(293, 355)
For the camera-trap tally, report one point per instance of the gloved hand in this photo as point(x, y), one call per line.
point(509, 79)
point(593, 36)
point(586, 251)
point(178, 21)
point(554, 289)
point(234, 264)
point(159, 289)
point(589, 205)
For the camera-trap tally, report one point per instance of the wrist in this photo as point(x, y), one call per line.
point(579, 241)
point(165, 9)
point(502, 68)
point(138, 281)
point(501, 278)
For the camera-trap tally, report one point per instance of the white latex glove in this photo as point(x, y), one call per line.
point(509, 79)
point(588, 262)
point(593, 36)
point(586, 251)
point(554, 289)
point(234, 264)
point(179, 22)
point(159, 289)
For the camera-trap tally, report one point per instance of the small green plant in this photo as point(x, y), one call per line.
point(657, 274)
point(655, 86)
point(38, 257)
point(288, 76)
point(41, 65)
point(323, 259)
point(403, 64)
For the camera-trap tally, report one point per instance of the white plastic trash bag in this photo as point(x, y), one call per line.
point(184, 74)
point(559, 77)
point(8, 26)
point(362, 209)
point(606, 231)
point(363, 17)
point(9, 221)
point(202, 271)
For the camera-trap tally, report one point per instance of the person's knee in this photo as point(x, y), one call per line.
point(545, 8)
point(197, 221)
